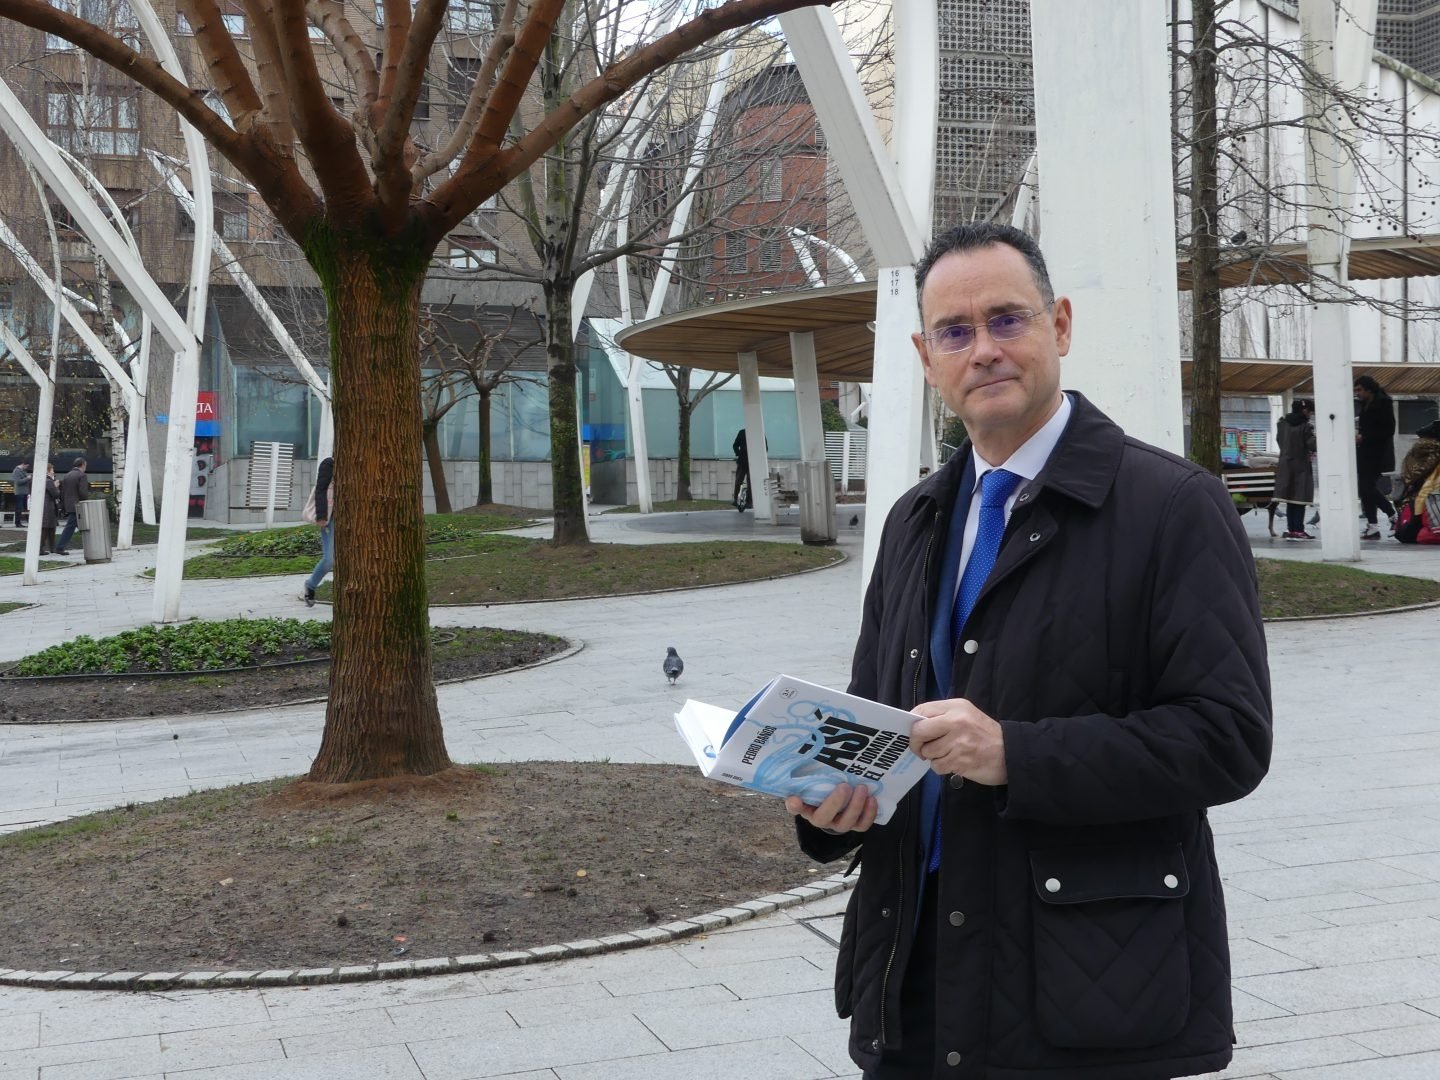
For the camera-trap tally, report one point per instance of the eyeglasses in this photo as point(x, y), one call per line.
point(959, 337)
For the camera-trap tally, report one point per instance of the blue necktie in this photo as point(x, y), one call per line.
point(996, 487)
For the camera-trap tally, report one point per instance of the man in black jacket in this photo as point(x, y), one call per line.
point(1374, 451)
point(1073, 616)
point(74, 489)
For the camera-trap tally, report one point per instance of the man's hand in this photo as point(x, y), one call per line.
point(846, 809)
point(956, 737)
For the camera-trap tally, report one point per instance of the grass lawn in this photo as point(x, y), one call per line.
point(15, 564)
point(1289, 588)
point(149, 534)
point(7, 606)
point(669, 505)
point(498, 569)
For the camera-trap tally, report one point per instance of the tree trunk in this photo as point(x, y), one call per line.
point(1204, 245)
point(565, 476)
point(682, 472)
point(382, 719)
point(487, 490)
point(437, 467)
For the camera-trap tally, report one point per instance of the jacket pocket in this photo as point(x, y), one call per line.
point(845, 960)
point(1112, 962)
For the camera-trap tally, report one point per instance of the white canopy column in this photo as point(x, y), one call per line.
point(893, 228)
point(1339, 51)
point(756, 452)
point(1107, 204)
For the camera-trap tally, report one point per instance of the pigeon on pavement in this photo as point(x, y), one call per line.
point(673, 664)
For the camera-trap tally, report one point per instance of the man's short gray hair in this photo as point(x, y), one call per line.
point(986, 234)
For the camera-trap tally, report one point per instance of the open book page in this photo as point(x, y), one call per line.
point(797, 738)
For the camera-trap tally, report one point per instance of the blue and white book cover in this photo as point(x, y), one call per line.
point(797, 738)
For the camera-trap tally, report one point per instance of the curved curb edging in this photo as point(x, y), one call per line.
point(1355, 614)
point(443, 965)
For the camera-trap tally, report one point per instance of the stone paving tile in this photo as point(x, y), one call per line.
point(383, 1063)
point(752, 979)
point(1358, 1024)
point(1360, 943)
point(697, 998)
point(1249, 1060)
point(1349, 987)
point(20, 1029)
point(469, 1057)
point(1415, 1067)
point(758, 942)
point(258, 1056)
point(744, 1020)
point(68, 1053)
point(764, 1059)
point(1320, 880)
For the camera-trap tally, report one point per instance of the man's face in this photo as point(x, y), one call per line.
point(1361, 394)
point(1003, 391)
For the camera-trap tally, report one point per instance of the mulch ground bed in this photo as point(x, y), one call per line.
point(475, 651)
point(475, 860)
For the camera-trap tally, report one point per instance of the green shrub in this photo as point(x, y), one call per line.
point(193, 646)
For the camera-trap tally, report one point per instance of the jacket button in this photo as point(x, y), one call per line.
point(952, 1058)
point(875, 1045)
point(914, 653)
point(1052, 884)
point(884, 912)
point(1171, 881)
point(1024, 496)
point(957, 918)
point(956, 781)
point(1034, 537)
point(971, 647)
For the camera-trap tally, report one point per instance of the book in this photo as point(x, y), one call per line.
point(797, 738)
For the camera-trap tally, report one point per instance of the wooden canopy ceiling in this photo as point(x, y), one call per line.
point(1371, 259)
point(709, 337)
point(1278, 376)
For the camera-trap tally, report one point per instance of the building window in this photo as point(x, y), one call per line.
point(462, 72)
point(469, 16)
point(470, 253)
point(232, 216)
point(235, 23)
point(422, 103)
point(770, 252)
point(182, 25)
point(98, 122)
point(737, 260)
point(770, 180)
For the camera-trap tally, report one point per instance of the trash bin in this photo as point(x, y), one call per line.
point(817, 503)
point(93, 519)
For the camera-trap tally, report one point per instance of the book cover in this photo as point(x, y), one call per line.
point(797, 738)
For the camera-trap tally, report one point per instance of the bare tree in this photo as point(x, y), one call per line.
point(369, 206)
point(1243, 105)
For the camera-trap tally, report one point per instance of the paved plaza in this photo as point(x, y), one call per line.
point(1332, 867)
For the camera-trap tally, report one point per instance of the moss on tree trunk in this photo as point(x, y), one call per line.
point(382, 719)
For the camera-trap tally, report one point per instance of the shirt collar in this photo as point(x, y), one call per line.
point(1034, 452)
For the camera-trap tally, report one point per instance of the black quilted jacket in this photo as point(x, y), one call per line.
point(1081, 923)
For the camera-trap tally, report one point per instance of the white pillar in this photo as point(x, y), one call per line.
point(1338, 52)
point(756, 452)
point(1107, 206)
point(639, 449)
point(877, 190)
point(807, 397)
point(41, 455)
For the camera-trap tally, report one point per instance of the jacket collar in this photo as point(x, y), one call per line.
point(1082, 466)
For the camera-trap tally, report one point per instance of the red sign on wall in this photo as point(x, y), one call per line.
point(206, 405)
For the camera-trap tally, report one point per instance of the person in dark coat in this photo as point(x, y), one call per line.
point(1294, 479)
point(743, 498)
point(1046, 906)
point(1374, 451)
point(74, 489)
point(49, 511)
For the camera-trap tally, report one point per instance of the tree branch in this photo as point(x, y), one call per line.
point(500, 44)
point(485, 170)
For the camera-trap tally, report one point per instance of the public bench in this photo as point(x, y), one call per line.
point(1252, 489)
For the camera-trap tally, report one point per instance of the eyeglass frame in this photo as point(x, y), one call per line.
point(934, 337)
